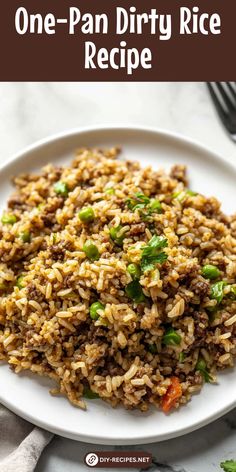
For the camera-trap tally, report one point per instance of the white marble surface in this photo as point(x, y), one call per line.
point(30, 111)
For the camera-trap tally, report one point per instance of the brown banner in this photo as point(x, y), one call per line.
point(55, 40)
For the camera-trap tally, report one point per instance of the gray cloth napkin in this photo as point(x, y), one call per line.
point(21, 444)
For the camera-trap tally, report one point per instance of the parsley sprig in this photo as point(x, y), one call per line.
point(217, 291)
point(228, 466)
point(141, 202)
point(152, 254)
point(202, 368)
point(138, 201)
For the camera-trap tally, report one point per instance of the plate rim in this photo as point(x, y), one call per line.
point(118, 441)
point(165, 133)
point(117, 127)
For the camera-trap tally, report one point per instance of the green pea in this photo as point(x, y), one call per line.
point(171, 338)
point(8, 219)
point(25, 237)
point(114, 231)
point(86, 215)
point(94, 308)
point(155, 206)
point(134, 270)
point(20, 282)
point(210, 271)
point(152, 348)
point(91, 251)
point(110, 191)
point(217, 291)
point(135, 292)
point(61, 188)
point(201, 364)
point(88, 393)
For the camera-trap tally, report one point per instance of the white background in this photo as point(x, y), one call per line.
point(30, 111)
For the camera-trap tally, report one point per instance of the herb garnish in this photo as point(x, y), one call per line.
point(202, 368)
point(228, 466)
point(135, 292)
point(88, 393)
point(152, 254)
point(140, 202)
point(171, 338)
point(217, 291)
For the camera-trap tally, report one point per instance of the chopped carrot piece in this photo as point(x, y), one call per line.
point(174, 392)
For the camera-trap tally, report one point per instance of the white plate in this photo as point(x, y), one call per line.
point(27, 395)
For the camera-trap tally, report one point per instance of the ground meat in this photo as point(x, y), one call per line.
point(110, 368)
point(200, 286)
point(140, 309)
point(48, 214)
point(34, 293)
point(116, 370)
point(222, 263)
point(185, 295)
point(95, 334)
point(200, 318)
point(113, 369)
point(211, 207)
point(57, 251)
point(190, 271)
point(68, 281)
point(15, 201)
point(54, 175)
point(168, 199)
point(224, 317)
point(198, 343)
point(137, 229)
point(49, 219)
point(178, 172)
point(54, 204)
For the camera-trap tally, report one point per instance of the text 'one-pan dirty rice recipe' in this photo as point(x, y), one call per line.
point(117, 282)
